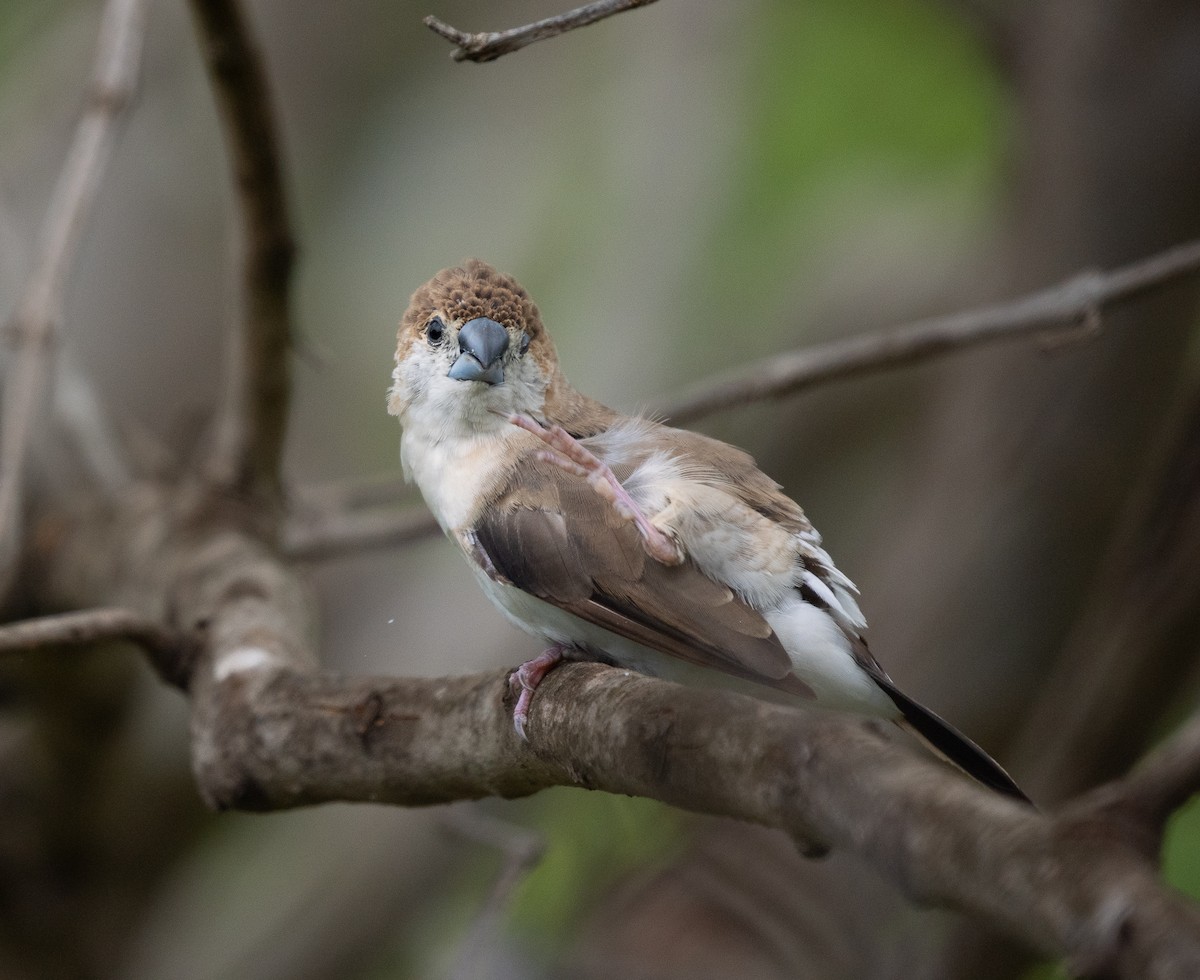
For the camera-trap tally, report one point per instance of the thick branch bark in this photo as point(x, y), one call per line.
point(336, 533)
point(269, 731)
point(287, 738)
point(253, 415)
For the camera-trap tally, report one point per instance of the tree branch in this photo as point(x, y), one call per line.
point(253, 413)
point(490, 46)
point(337, 533)
point(1142, 802)
point(269, 732)
point(39, 312)
point(168, 651)
point(290, 738)
point(522, 850)
point(1053, 312)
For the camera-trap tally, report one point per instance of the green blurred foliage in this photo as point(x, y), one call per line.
point(22, 22)
point(845, 102)
point(1181, 851)
point(592, 841)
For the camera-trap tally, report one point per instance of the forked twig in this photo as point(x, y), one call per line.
point(488, 46)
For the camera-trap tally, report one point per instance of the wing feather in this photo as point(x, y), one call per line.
point(548, 533)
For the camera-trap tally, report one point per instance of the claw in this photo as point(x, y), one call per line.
point(524, 681)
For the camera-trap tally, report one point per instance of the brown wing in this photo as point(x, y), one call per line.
point(552, 535)
point(752, 485)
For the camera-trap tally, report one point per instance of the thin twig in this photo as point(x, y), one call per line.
point(167, 650)
point(522, 850)
point(1049, 311)
point(253, 414)
point(338, 533)
point(39, 313)
point(488, 46)
point(348, 493)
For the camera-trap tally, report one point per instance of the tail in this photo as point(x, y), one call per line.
point(948, 741)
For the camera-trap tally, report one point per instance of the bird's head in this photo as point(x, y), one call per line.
point(471, 349)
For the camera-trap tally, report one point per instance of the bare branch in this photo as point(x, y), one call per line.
point(486, 46)
point(39, 312)
point(1054, 311)
point(167, 650)
point(352, 492)
point(79, 411)
point(522, 850)
point(253, 414)
point(334, 534)
point(1170, 775)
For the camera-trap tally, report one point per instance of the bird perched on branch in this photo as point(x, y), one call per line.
point(617, 538)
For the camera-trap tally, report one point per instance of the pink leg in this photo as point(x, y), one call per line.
point(524, 681)
point(567, 453)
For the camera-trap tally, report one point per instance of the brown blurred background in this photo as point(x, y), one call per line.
point(682, 188)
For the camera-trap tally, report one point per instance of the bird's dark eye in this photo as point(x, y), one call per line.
point(435, 330)
point(524, 346)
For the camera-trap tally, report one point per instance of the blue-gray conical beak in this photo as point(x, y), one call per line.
point(482, 343)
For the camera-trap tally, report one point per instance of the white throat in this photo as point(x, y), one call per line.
point(456, 451)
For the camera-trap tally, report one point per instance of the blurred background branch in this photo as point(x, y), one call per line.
point(1066, 313)
point(250, 426)
point(32, 332)
point(1053, 315)
point(90, 626)
point(522, 849)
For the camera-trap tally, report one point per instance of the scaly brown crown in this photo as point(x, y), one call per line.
point(471, 290)
point(475, 289)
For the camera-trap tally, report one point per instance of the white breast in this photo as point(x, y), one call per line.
point(455, 472)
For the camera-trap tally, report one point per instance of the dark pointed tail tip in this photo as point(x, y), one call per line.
point(949, 742)
point(998, 779)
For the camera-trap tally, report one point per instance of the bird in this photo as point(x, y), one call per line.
point(619, 538)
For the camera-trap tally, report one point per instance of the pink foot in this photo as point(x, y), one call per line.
point(524, 681)
point(568, 454)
